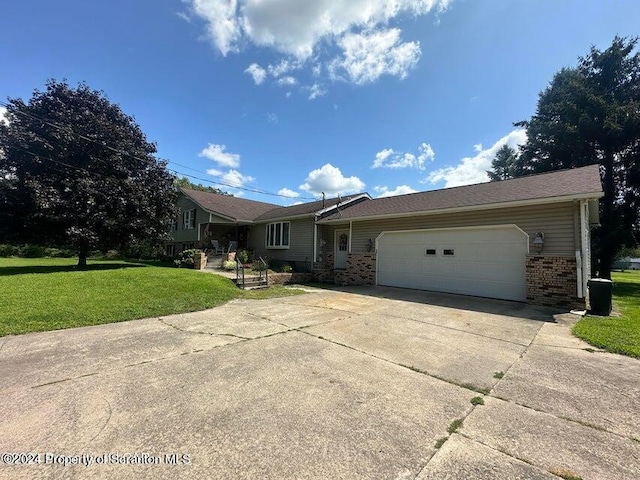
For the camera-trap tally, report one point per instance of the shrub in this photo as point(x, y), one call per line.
point(112, 255)
point(229, 265)
point(60, 252)
point(32, 251)
point(258, 266)
point(9, 250)
point(185, 258)
point(286, 268)
point(144, 251)
point(243, 256)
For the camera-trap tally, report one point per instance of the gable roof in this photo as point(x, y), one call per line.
point(311, 208)
point(559, 185)
point(234, 208)
point(243, 210)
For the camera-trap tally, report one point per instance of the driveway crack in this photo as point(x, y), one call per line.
point(183, 330)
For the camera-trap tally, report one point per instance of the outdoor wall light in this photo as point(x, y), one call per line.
point(538, 242)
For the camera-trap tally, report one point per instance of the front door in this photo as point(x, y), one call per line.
point(342, 248)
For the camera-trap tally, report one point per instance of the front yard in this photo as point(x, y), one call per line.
point(617, 334)
point(51, 294)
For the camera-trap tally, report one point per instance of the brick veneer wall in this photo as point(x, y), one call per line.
point(361, 270)
point(552, 282)
point(323, 271)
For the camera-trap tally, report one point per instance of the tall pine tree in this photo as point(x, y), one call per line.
point(590, 114)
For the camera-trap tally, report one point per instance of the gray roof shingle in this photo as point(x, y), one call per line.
point(544, 186)
point(239, 209)
point(243, 210)
point(304, 208)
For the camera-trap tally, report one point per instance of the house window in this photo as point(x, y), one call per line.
point(171, 250)
point(189, 219)
point(343, 242)
point(278, 235)
point(448, 252)
point(174, 224)
point(431, 252)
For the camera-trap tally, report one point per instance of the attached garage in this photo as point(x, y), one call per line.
point(482, 261)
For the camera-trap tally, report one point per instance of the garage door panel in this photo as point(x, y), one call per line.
point(487, 261)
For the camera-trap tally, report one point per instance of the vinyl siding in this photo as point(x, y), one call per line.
point(182, 235)
point(556, 221)
point(300, 241)
point(202, 216)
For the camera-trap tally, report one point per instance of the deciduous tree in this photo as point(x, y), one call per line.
point(77, 171)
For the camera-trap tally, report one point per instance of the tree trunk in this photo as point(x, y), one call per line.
point(82, 259)
point(608, 229)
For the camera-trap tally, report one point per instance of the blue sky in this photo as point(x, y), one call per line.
point(296, 97)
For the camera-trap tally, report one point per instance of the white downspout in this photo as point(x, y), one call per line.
point(315, 243)
point(585, 246)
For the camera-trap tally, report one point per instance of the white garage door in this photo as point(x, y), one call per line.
point(481, 261)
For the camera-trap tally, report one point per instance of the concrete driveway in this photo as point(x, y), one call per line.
point(354, 383)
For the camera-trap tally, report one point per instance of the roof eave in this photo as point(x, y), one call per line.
point(222, 215)
point(285, 217)
point(488, 206)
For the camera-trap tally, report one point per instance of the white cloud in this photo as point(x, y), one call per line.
point(474, 169)
point(217, 154)
point(330, 180)
point(286, 192)
point(301, 31)
point(3, 115)
point(272, 118)
point(287, 81)
point(223, 23)
point(283, 66)
point(399, 190)
point(381, 157)
point(184, 16)
point(367, 56)
point(388, 158)
point(214, 172)
point(257, 72)
point(316, 90)
point(235, 179)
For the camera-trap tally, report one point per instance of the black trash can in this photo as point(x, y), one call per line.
point(600, 291)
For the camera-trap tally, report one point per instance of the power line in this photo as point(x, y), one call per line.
point(130, 155)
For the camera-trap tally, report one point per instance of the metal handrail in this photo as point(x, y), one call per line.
point(239, 268)
point(266, 270)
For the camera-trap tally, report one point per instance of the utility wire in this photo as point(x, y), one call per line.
point(130, 155)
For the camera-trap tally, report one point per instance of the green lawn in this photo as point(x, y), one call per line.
point(50, 294)
point(617, 334)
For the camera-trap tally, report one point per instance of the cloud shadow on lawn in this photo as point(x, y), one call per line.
point(22, 270)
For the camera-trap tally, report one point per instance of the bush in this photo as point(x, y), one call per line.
point(258, 266)
point(185, 258)
point(32, 251)
point(60, 253)
point(286, 268)
point(9, 250)
point(144, 251)
point(112, 255)
point(229, 265)
point(243, 256)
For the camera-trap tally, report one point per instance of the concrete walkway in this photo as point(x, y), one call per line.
point(362, 382)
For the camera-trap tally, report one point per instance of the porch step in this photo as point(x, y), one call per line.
point(251, 283)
